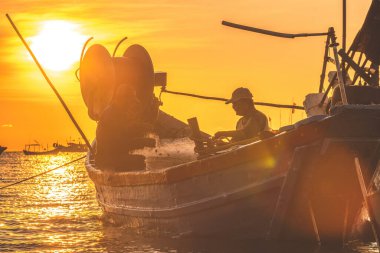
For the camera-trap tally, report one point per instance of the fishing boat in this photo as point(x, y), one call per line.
point(303, 183)
point(71, 147)
point(35, 149)
point(297, 184)
point(2, 149)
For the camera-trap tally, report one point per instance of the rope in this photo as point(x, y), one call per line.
point(45, 172)
point(224, 99)
point(271, 33)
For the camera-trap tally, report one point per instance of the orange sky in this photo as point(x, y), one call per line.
point(184, 39)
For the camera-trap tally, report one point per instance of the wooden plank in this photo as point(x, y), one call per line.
point(376, 174)
point(195, 131)
point(314, 222)
point(363, 188)
point(356, 67)
point(346, 214)
point(287, 193)
point(374, 202)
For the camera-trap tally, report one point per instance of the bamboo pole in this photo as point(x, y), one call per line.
point(368, 206)
point(344, 35)
point(325, 60)
point(50, 84)
point(271, 33)
point(342, 85)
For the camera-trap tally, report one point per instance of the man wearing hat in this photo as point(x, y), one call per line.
point(251, 124)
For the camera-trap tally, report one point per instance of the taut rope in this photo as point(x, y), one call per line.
point(40, 174)
point(50, 84)
point(224, 99)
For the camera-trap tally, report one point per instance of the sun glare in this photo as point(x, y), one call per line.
point(58, 45)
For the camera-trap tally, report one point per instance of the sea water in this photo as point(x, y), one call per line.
point(58, 212)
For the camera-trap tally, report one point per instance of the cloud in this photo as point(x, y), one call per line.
point(7, 125)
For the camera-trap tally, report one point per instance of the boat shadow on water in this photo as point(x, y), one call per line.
point(122, 239)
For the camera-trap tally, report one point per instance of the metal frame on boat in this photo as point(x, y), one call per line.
point(37, 150)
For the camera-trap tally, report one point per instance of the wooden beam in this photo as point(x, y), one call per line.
point(286, 195)
point(314, 222)
point(346, 213)
point(356, 67)
point(363, 188)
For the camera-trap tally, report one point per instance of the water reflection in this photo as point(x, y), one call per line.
point(58, 212)
point(119, 239)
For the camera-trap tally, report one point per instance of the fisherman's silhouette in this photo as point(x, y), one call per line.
point(253, 123)
point(122, 129)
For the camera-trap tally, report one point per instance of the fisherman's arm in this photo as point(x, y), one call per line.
point(235, 134)
point(249, 130)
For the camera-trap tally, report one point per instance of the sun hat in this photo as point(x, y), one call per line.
point(240, 93)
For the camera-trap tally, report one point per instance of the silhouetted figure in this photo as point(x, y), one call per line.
point(121, 129)
point(253, 123)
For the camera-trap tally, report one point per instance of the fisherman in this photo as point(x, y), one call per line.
point(253, 123)
point(121, 130)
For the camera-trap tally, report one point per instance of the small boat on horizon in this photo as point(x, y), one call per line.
point(35, 149)
point(71, 147)
point(2, 149)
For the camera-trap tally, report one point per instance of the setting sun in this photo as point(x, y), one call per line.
point(190, 126)
point(58, 45)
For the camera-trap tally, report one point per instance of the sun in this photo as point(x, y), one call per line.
point(58, 45)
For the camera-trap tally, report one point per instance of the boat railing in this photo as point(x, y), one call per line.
point(34, 145)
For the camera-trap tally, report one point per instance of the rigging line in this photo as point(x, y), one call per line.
point(271, 33)
point(50, 83)
point(43, 173)
point(224, 99)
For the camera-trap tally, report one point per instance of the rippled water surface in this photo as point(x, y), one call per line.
point(58, 212)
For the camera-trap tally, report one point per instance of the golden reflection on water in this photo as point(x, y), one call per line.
point(58, 212)
point(55, 212)
point(61, 191)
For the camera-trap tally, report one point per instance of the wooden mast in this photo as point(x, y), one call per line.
point(344, 36)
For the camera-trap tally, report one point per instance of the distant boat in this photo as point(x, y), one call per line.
point(35, 149)
point(2, 149)
point(71, 147)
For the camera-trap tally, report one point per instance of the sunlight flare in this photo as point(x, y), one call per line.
point(58, 45)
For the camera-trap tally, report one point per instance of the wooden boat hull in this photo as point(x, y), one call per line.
point(297, 185)
point(49, 152)
point(204, 212)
